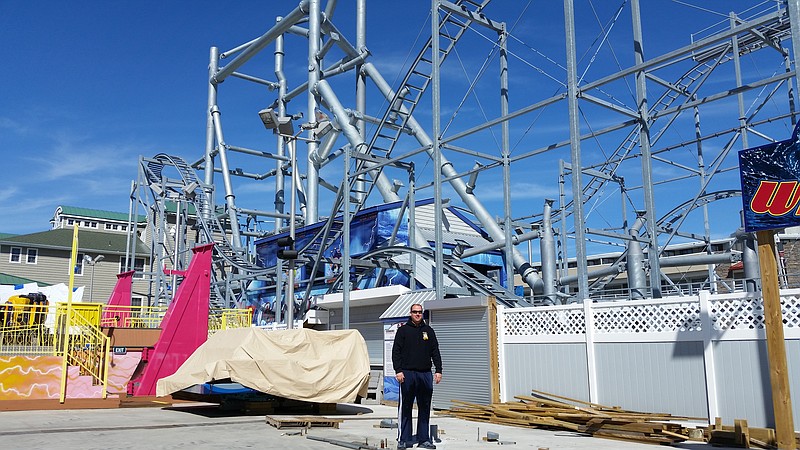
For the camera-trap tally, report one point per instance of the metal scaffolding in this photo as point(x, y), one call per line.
point(630, 136)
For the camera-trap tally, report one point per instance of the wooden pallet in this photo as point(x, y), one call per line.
point(303, 422)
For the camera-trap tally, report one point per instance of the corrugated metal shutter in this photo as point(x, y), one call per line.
point(463, 336)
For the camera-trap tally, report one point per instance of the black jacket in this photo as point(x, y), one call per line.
point(415, 346)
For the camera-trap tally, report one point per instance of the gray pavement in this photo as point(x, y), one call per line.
point(203, 426)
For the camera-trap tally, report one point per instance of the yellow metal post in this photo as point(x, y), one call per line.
point(72, 260)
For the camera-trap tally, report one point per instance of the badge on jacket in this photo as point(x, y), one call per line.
point(424, 335)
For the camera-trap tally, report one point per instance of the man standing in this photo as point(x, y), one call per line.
point(415, 347)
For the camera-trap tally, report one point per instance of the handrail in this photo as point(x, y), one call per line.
point(88, 348)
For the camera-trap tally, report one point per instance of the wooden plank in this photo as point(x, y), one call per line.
point(302, 422)
point(494, 360)
point(573, 400)
point(742, 433)
point(563, 405)
point(776, 345)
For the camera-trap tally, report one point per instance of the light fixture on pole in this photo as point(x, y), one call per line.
point(92, 262)
point(284, 127)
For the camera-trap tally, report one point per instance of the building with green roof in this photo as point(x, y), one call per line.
point(45, 257)
point(94, 219)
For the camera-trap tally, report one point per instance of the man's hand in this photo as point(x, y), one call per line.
point(437, 377)
point(400, 377)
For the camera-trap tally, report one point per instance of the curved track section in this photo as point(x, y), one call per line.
point(469, 280)
point(229, 261)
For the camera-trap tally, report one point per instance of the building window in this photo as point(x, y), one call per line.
point(138, 266)
point(108, 226)
point(70, 222)
point(124, 228)
point(33, 255)
point(16, 255)
point(79, 265)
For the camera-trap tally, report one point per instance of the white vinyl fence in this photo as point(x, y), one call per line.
point(700, 356)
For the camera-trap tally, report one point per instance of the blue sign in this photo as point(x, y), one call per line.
point(770, 176)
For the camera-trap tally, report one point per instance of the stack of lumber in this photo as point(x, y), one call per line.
point(544, 410)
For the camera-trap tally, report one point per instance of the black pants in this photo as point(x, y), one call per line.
point(419, 386)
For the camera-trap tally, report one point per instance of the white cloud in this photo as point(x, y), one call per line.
point(12, 125)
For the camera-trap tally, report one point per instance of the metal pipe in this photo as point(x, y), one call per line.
point(292, 221)
point(575, 151)
point(547, 248)
point(751, 263)
point(700, 259)
point(506, 153)
point(610, 270)
point(325, 147)
point(634, 261)
point(280, 182)
point(515, 239)
point(330, 8)
point(737, 65)
point(644, 144)
point(259, 212)
point(312, 174)
point(213, 62)
point(438, 214)
point(258, 44)
point(230, 198)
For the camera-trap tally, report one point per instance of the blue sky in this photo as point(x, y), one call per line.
point(91, 86)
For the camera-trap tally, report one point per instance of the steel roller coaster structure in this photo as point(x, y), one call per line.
point(634, 150)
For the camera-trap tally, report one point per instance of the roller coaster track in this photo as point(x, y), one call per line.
point(469, 280)
point(228, 258)
point(686, 86)
point(666, 225)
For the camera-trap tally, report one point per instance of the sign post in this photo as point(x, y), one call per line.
point(770, 200)
point(776, 345)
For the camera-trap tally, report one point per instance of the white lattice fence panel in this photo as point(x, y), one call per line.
point(648, 318)
point(544, 321)
point(747, 313)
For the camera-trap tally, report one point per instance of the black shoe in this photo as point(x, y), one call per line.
point(426, 444)
point(401, 445)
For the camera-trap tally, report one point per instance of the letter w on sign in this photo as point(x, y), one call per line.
point(775, 198)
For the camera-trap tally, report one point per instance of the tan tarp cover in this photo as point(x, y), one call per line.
point(299, 364)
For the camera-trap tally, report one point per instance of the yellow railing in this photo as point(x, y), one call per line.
point(26, 340)
point(25, 329)
point(87, 346)
point(223, 319)
point(31, 330)
point(133, 316)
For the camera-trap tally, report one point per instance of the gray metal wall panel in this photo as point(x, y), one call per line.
point(358, 313)
point(362, 318)
point(463, 336)
point(653, 377)
point(556, 368)
point(743, 386)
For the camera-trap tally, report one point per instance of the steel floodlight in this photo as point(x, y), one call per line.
point(271, 121)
